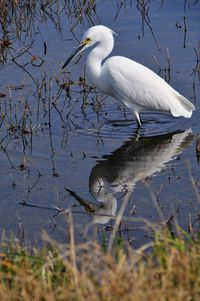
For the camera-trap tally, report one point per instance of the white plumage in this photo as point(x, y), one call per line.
point(139, 88)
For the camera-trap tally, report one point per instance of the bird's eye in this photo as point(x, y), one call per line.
point(87, 40)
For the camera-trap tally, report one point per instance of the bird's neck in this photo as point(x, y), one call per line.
point(94, 62)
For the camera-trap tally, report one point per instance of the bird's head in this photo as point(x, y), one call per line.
point(92, 36)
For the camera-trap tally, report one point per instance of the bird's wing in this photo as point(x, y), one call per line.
point(140, 88)
point(130, 81)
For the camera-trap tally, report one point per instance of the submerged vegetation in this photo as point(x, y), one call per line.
point(171, 271)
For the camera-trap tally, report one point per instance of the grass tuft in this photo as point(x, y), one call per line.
point(170, 271)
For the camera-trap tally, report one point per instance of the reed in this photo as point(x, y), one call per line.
point(169, 271)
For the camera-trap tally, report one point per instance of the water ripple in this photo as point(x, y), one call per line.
point(114, 123)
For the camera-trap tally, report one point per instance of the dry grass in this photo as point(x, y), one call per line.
point(20, 15)
point(19, 20)
point(170, 272)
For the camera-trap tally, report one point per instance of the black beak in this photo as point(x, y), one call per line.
point(73, 55)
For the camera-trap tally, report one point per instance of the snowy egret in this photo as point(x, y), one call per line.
point(138, 87)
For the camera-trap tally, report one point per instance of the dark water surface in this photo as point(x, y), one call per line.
point(70, 147)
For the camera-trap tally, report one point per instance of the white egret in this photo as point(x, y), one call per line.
point(138, 87)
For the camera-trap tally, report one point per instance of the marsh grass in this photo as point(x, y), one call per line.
point(20, 15)
point(20, 19)
point(170, 271)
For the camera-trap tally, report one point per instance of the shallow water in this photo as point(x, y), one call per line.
point(53, 140)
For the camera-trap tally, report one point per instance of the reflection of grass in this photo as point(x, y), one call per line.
point(87, 272)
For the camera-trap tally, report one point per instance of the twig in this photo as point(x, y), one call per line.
point(118, 220)
point(192, 181)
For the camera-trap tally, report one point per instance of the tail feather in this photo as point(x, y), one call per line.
point(186, 103)
point(185, 109)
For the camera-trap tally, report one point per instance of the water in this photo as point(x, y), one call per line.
point(53, 140)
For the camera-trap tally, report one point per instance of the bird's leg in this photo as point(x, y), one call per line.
point(139, 123)
point(136, 134)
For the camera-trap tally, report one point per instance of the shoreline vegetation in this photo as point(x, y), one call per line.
point(170, 271)
point(165, 269)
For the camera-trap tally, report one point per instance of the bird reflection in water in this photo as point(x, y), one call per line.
point(136, 160)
